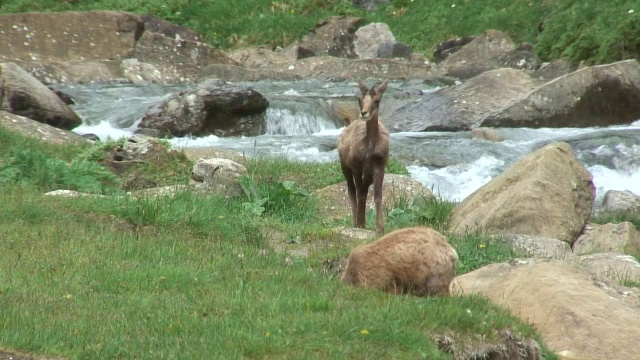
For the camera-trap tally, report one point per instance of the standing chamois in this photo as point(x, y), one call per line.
point(363, 147)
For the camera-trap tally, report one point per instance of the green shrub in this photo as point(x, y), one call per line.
point(35, 167)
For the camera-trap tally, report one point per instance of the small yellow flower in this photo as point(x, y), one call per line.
point(364, 332)
point(482, 246)
point(68, 296)
point(267, 334)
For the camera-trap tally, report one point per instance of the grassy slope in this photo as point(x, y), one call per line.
point(591, 30)
point(194, 277)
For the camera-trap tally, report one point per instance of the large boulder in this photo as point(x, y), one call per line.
point(490, 50)
point(47, 133)
point(332, 36)
point(592, 96)
point(578, 318)
point(547, 193)
point(463, 106)
point(213, 107)
point(24, 95)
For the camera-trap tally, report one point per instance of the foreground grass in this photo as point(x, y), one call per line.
point(577, 30)
point(88, 278)
point(194, 276)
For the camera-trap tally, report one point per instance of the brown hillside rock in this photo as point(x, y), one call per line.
point(333, 37)
point(324, 67)
point(601, 95)
point(90, 46)
point(161, 26)
point(259, 57)
point(463, 106)
point(334, 202)
point(547, 193)
point(38, 130)
point(622, 237)
point(177, 59)
point(213, 107)
point(24, 95)
point(449, 46)
point(578, 317)
point(490, 50)
point(68, 36)
point(239, 73)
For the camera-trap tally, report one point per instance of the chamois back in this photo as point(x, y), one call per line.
point(416, 260)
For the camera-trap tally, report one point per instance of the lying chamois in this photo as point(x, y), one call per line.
point(416, 260)
point(364, 150)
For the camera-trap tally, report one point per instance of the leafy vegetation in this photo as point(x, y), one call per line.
point(148, 277)
point(591, 31)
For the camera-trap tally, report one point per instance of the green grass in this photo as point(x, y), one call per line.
point(195, 276)
point(91, 278)
point(592, 31)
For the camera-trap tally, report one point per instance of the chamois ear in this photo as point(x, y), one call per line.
point(382, 87)
point(363, 88)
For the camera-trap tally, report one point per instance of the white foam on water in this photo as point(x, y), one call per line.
point(457, 182)
point(188, 141)
point(104, 130)
point(291, 92)
point(606, 179)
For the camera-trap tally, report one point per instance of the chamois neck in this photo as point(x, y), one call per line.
point(373, 129)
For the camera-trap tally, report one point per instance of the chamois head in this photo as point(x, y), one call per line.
point(369, 100)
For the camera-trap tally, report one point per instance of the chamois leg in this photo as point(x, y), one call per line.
point(362, 188)
point(351, 191)
point(378, 178)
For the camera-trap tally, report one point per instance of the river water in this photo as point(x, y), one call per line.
point(299, 126)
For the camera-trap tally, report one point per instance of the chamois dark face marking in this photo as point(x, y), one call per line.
point(364, 149)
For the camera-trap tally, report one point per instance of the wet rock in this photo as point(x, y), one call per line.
point(213, 107)
point(24, 95)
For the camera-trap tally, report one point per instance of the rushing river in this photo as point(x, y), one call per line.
point(299, 126)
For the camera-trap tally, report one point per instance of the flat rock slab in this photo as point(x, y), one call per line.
point(577, 316)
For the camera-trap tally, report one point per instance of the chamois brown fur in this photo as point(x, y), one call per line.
point(416, 260)
point(363, 148)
